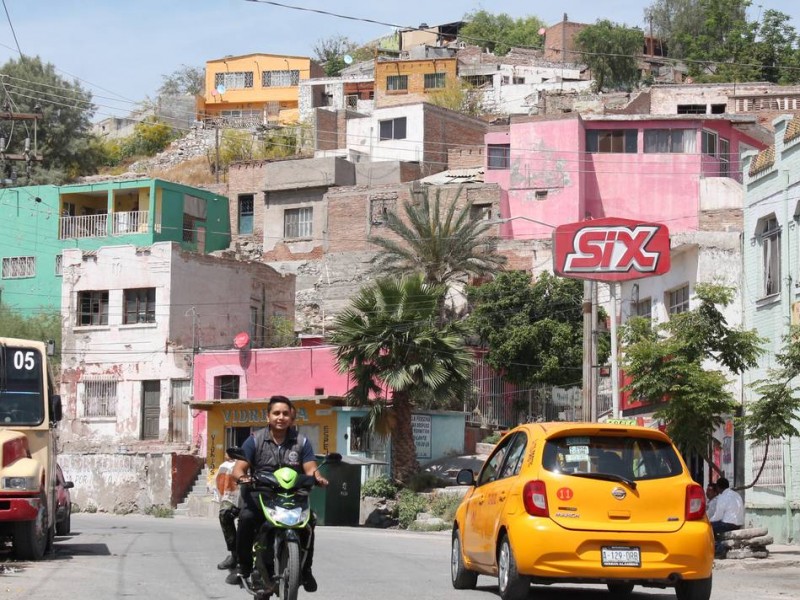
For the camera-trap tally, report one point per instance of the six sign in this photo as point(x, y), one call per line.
point(611, 249)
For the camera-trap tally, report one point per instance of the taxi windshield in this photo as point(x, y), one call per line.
point(630, 457)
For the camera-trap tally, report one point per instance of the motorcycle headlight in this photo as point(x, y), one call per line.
point(23, 484)
point(286, 516)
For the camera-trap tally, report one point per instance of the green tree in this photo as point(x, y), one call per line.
point(776, 50)
point(63, 134)
point(438, 239)
point(42, 327)
point(183, 80)
point(669, 367)
point(533, 330)
point(499, 33)
point(673, 22)
point(773, 415)
point(458, 96)
point(330, 53)
point(389, 339)
point(611, 51)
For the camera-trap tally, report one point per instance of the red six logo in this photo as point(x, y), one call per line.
point(611, 249)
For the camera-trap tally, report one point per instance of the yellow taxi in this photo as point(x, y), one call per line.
point(583, 503)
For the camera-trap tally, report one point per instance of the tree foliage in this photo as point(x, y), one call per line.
point(41, 327)
point(438, 239)
point(63, 133)
point(669, 367)
point(610, 51)
point(330, 53)
point(389, 338)
point(499, 33)
point(183, 80)
point(459, 96)
point(533, 330)
point(773, 414)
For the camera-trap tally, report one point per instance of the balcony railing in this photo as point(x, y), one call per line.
point(93, 226)
point(86, 226)
point(129, 222)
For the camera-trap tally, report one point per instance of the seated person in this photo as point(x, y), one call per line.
point(728, 514)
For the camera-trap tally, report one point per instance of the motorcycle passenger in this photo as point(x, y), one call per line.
point(277, 445)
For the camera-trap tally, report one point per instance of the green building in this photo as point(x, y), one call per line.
point(38, 222)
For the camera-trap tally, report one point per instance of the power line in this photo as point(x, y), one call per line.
point(11, 25)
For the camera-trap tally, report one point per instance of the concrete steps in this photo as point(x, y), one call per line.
point(200, 493)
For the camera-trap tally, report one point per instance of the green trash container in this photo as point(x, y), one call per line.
point(340, 502)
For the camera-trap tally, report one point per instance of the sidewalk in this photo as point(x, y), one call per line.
point(780, 556)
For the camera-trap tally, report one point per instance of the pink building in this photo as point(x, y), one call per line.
point(668, 169)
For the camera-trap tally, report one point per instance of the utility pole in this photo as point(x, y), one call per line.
point(588, 343)
point(27, 156)
point(216, 145)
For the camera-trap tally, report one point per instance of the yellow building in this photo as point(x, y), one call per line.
point(409, 81)
point(254, 89)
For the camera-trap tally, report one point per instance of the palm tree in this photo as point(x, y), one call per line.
point(444, 243)
point(390, 342)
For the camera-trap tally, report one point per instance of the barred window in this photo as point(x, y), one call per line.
point(59, 265)
point(397, 83)
point(297, 222)
point(773, 473)
point(679, 300)
point(140, 306)
point(238, 80)
point(18, 267)
point(435, 80)
point(280, 78)
point(99, 397)
point(93, 307)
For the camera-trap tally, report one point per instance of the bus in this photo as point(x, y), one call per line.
point(30, 410)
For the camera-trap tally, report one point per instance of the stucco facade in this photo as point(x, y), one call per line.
point(133, 319)
point(771, 300)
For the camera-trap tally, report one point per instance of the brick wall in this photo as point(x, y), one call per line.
point(446, 129)
point(465, 158)
point(729, 219)
point(327, 129)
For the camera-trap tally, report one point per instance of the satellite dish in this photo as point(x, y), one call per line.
point(241, 340)
point(542, 31)
point(348, 59)
point(220, 89)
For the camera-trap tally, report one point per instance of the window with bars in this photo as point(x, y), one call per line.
point(226, 387)
point(140, 306)
point(19, 267)
point(773, 473)
point(435, 80)
point(93, 307)
point(397, 83)
point(678, 300)
point(601, 141)
point(59, 265)
point(297, 222)
point(771, 255)
point(643, 308)
point(280, 78)
point(498, 156)
point(393, 129)
point(99, 397)
point(246, 205)
point(236, 80)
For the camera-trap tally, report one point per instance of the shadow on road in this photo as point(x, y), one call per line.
point(567, 592)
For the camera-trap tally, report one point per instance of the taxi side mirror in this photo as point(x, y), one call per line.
point(465, 477)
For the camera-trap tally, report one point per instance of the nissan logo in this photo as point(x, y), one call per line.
point(619, 493)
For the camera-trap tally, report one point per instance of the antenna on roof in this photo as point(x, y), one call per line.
point(348, 60)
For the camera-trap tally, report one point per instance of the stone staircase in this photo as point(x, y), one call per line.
point(199, 502)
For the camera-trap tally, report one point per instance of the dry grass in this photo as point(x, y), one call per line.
point(195, 171)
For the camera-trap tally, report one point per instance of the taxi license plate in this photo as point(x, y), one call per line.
point(620, 556)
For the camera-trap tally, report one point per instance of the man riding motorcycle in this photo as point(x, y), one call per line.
point(278, 445)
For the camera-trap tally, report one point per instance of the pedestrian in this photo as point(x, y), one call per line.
point(728, 514)
point(712, 491)
point(226, 492)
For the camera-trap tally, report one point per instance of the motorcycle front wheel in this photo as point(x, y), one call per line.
point(289, 570)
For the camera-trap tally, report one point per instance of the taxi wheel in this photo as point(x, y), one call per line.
point(620, 590)
point(513, 586)
point(463, 579)
point(693, 589)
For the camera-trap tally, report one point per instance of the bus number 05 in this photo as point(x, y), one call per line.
point(24, 360)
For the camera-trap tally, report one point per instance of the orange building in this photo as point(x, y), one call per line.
point(409, 81)
point(254, 89)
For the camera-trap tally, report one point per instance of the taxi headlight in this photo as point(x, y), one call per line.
point(26, 484)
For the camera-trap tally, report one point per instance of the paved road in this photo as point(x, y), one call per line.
point(137, 557)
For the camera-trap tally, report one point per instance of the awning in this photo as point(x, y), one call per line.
point(210, 404)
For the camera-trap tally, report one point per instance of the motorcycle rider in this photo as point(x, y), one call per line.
point(277, 445)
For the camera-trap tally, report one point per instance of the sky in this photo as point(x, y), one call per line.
point(120, 50)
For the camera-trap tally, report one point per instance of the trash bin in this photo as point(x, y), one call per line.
point(340, 502)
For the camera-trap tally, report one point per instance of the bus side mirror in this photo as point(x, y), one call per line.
point(55, 408)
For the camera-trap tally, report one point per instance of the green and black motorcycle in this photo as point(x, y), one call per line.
point(283, 496)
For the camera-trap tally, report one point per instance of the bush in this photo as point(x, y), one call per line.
point(379, 487)
point(445, 505)
point(159, 511)
point(409, 505)
point(493, 438)
point(424, 481)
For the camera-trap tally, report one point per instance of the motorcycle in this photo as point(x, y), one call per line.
point(283, 497)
